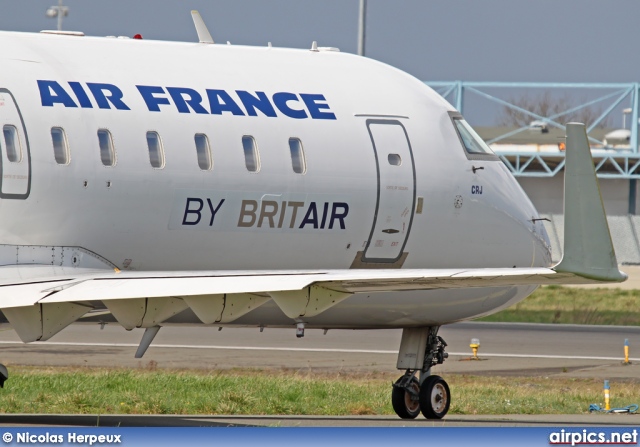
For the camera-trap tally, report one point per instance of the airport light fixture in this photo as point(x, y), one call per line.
point(474, 345)
point(607, 396)
point(626, 352)
point(58, 11)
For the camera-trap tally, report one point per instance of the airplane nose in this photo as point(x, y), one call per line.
point(541, 243)
point(529, 232)
point(534, 226)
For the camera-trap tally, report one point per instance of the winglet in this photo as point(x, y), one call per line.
point(588, 250)
point(203, 33)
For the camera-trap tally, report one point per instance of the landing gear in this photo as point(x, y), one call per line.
point(4, 375)
point(420, 349)
point(435, 397)
point(409, 398)
point(405, 396)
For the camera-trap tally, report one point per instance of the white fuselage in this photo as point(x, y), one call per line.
point(351, 207)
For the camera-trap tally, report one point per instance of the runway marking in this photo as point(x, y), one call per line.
point(347, 351)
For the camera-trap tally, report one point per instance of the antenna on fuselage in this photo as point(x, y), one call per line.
point(203, 33)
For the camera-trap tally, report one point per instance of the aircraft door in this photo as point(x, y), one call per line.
point(396, 191)
point(15, 160)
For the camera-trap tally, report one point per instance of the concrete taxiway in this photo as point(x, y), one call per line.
point(620, 420)
point(506, 349)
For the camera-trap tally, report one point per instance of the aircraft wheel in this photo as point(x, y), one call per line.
point(4, 375)
point(435, 397)
point(406, 403)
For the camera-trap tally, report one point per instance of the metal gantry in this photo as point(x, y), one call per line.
point(611, 162)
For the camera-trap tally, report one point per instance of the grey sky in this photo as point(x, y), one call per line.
point(506, 40)
point(473, 40)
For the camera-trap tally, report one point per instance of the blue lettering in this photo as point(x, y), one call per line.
point(178, 93)
point(84, 100)
point(476, 189)
point(188, 100)
point(282, 98)
point(251, 103)
point(51, 92)
point(227, 104)
point(311, 217)
point(188, 210)
point(339, 216)
point(148, 92)
point(103, 100)
point(324, 214)
point(214, 211)
point(311, 101)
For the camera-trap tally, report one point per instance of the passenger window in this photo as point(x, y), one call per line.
point(156, 153)
point(107, 153)
point(394, 159)
point(251, 156)
point(12, 143)
point(60, 146)
point(297, 156)
point(472, 142)
point(204, 152)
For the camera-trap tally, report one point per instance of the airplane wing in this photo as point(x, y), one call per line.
point(129, 285)
point(54, 297)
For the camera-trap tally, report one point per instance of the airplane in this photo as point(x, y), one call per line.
point(237, 186)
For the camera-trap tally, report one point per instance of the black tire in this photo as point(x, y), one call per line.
point(435, 397)
point(401, 400)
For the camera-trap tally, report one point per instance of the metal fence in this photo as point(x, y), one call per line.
point(609, 98)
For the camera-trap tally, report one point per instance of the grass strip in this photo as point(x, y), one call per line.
point(567, 305)
point(144, 391)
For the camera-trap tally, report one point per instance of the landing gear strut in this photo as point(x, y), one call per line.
point(420, 349)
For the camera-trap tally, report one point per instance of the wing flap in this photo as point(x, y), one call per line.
point(24, 294)
point(122, 287)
